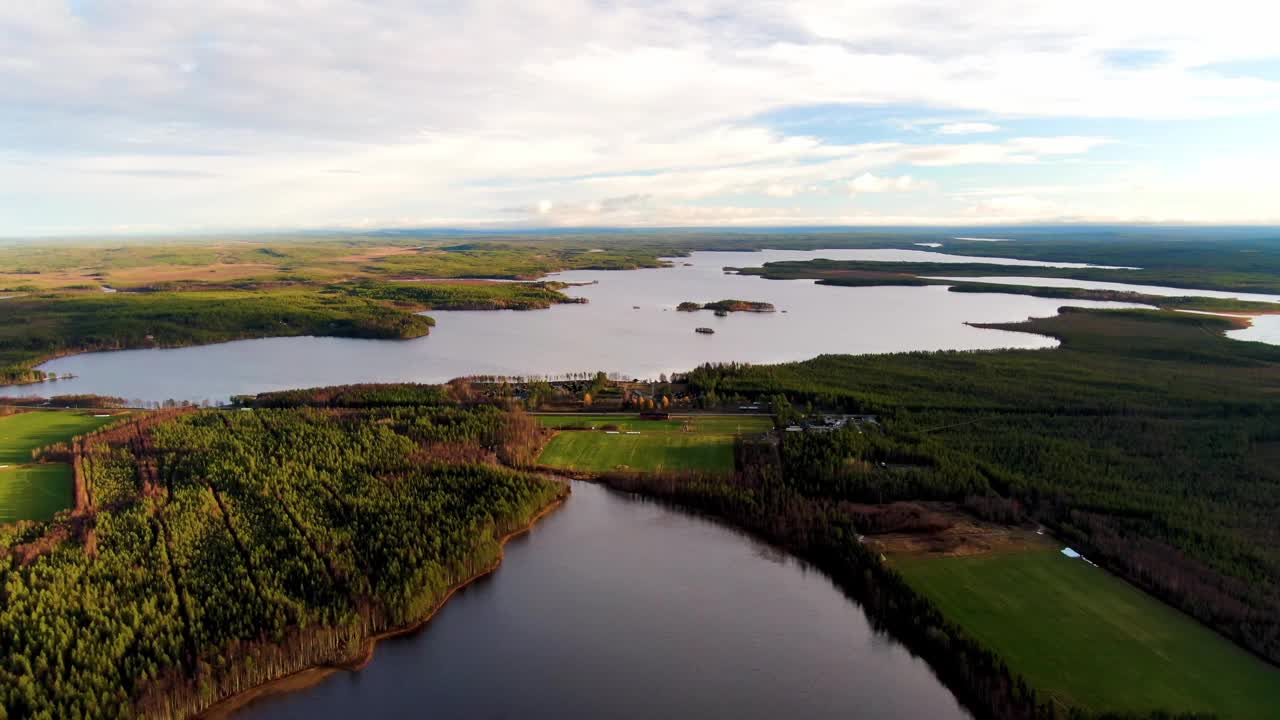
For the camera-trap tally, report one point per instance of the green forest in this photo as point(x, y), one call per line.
point(1147, 439)
point(214, 289)
point(859, 273)
point(37, 327)
point(727, 306)
point(215, 550)
point(212, 551)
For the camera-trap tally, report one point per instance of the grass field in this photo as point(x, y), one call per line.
point(36, 491)
point(1092, 640)
point(682, 443)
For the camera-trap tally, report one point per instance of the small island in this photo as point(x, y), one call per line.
point(704, 331)
point(724, 307)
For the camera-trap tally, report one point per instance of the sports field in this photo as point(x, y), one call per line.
point(1090, 639)
point(682, 443)
point(30, 491)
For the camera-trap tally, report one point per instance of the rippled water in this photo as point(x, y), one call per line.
point(608, 334)
point(618, 608)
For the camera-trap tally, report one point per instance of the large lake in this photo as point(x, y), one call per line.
point(618, 608)
point(630, 326)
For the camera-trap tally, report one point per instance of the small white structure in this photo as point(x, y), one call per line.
point(1071, 553)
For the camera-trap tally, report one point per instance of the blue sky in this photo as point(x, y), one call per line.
point(173, 115)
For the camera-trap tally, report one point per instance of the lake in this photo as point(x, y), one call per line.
point(1264, 328)
point(615, 607)
point(608, 333)
point(1121, 287)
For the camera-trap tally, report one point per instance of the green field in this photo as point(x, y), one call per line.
point(36, 491)
point(682, 443)
point(1090, 639)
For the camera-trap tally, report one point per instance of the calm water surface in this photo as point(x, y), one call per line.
point(1122, 287)
point(1264, 328)
point(618, 608)
point(608, 334)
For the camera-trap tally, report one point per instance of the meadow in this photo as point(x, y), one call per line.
point(30, 491)
point(683, 443)
point(1147, 440)
point(1088, 639)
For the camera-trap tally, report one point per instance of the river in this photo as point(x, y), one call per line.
point(616, 607)
point(629, 326)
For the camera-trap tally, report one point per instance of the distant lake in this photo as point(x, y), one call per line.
point(619, 608)
point(1265, 328)
point(608, 333)
point(1121, 287)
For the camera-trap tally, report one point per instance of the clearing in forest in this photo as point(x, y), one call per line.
point(36, 491)
point(1090, 639)
point(601, 443)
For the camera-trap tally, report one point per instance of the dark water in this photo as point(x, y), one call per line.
point(618, 608)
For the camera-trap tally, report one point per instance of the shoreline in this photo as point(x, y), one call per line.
point(312, 676)
point(45, 359)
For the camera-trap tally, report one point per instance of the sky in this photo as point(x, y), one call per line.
point(143, 116)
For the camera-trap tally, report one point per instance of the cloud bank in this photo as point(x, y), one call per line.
point(243, 114)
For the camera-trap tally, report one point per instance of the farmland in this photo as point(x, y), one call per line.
point(37, 491)
point(681, 443)
point(1090, 640)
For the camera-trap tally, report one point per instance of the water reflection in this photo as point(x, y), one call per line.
point(605, 334)
point(625, 609)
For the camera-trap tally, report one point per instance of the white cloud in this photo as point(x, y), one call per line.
point(191, 113)
point(967, 128)
point(869, 183)
point(1013, 206)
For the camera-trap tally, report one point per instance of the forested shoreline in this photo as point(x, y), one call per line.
point(1215, 274)
point(1146, 441)
point(40, 327)
point(212, 551)
point(218, 289)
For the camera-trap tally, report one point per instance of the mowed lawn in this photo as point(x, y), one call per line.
point(30, 491)
point(1090, 639)
point(682, 443)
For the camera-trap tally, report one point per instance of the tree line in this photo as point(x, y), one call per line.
point(216, 550)
point(1148, 440)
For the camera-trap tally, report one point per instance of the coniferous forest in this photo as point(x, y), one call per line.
point(212, 551)
point(1148, 440)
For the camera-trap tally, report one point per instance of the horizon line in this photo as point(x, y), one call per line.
point(427, 230)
